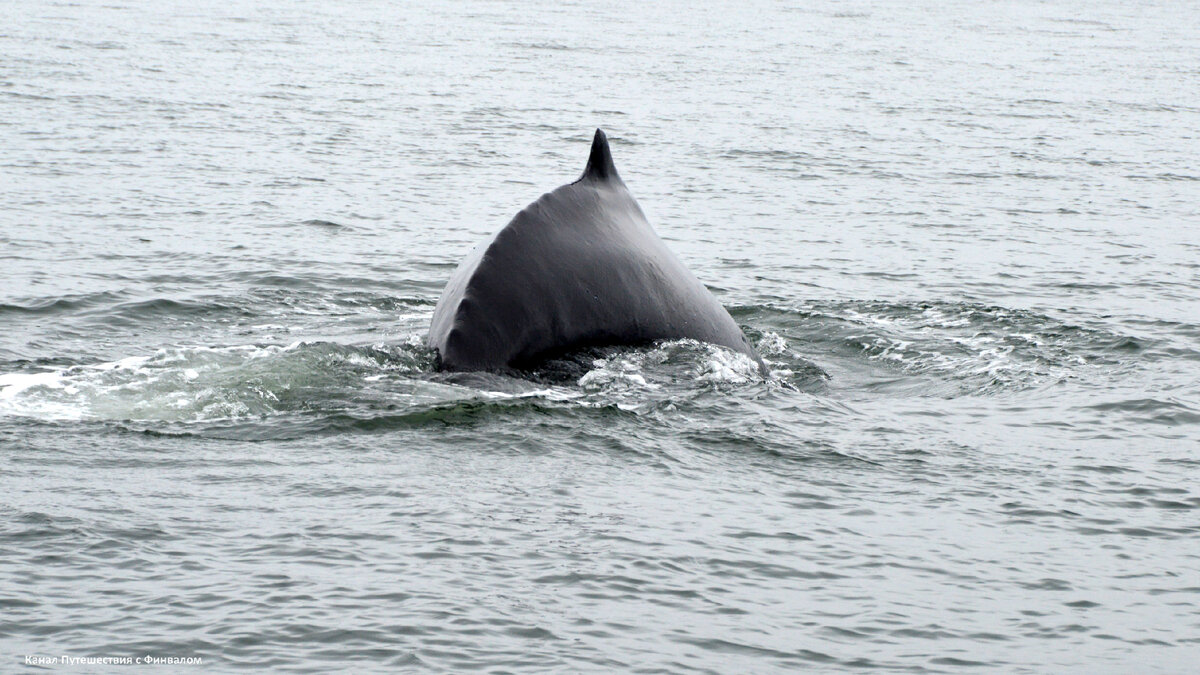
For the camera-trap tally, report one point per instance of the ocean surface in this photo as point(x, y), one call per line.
point(964, 236)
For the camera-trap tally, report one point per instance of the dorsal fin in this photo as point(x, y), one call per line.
point(600, 165)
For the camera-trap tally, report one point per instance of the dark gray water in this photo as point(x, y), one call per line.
point(963, 236)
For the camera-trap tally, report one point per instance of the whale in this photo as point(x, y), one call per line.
point(579, 268)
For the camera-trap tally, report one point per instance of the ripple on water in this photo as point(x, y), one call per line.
point(954, 348)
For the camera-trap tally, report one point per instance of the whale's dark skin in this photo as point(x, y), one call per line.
point(579, 267)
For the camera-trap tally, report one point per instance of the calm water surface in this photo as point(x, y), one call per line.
point(963, 236)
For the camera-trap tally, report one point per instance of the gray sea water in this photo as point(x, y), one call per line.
point(963, 235)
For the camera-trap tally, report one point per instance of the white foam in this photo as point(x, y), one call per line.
point(13, 384)
point(725, 366)
point(601, 378)
point(772, 344)
point(178, 384)
point(621, 372)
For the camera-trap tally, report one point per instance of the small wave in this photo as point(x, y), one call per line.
point(551, 46)
point(324, 224)
point(1151, 411)
point(189, 384)
point(311, 385)
point(439, 406)
point(675, 360)
point(274, 303)
point(963, 347)
point(672, 372)
point(471, 412)
point(57, 304)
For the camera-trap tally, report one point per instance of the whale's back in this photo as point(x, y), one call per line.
point(580, 266)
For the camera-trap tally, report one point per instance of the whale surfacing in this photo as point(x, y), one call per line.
point(579, 267)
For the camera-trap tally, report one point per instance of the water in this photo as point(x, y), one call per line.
point(962, 236)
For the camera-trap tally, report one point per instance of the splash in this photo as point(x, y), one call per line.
point(200, 383)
